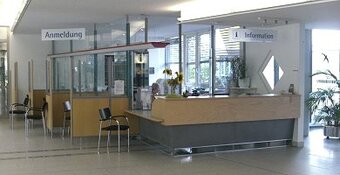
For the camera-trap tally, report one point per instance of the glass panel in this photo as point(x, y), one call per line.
point(174, 68)
point(62, 46)
point(86, 44)
point(84, 73)
point(191, 49)
point(61, 73)
point(92, 74)
point(223, 76)
point(204, 76)
point(191, 77)
point(325, 42)
point(173, 56)
point(119, 73)
point(112, 34)
point(137, 26)
point(225, 51)
point(141, 69)
point(204, 47)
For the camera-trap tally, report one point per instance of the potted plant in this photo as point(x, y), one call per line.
point(240, 77)
point(322, 104)
point(173, 81)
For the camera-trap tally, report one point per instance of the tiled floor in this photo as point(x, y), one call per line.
point(39, 155)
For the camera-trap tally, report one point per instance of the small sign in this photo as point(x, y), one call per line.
point(119, 87)
point(63, 34)
point(249, 35)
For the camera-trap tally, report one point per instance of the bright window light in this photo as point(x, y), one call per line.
point(10, 11)
point(205, 8)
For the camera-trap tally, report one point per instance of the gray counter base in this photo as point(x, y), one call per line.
point(219, 135)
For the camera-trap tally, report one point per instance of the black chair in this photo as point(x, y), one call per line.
point(17, 109)
point(105, 116)
point(67, 117)
point(30, 116)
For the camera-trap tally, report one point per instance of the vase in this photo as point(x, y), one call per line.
point(173, 90)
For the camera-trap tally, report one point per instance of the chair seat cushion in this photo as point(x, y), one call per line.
point(17, 111)
point(34, 117)
point(115, 127)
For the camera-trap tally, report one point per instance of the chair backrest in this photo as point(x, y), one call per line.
point(26, 100)
point(67, 106)
point(43, 107)
point(104, 113)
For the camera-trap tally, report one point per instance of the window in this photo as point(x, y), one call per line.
point(191, 77)
point(172, 57)
point(196, 59)
point(225, 51)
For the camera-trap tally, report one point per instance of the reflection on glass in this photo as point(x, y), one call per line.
point(272, 72)
point(61, 73)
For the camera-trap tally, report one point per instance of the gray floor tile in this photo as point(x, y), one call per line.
point(39, 155)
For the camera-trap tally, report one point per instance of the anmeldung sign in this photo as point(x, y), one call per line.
point(63, 34)
point(250, 35)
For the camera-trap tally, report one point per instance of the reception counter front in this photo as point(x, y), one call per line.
point(197, 122)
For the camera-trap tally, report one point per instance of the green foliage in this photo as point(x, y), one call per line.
point(321, 102)
point(239, 68)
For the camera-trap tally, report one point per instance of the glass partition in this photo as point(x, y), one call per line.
point(111, 34)
point(100, 74)
point(61, 74)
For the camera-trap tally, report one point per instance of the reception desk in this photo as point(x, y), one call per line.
point(219, 120)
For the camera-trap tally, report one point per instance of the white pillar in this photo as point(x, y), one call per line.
point(298, 139)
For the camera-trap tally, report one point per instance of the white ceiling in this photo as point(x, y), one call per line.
point(44, 14)
point(319, 14)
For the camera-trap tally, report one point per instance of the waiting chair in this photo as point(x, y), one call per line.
point(105, 116)
point(32, 117)
point(67, 117)
point(17, 109)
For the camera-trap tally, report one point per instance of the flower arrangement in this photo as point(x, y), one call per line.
point(174, 80)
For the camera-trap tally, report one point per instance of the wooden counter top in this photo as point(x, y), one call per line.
point(144, 114)
point(221, 109)
point(219, 97)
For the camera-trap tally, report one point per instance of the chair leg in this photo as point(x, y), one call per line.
point(118, 138)
point(26, 127)
point(12, 121)
point(44, 125)
point(108, 141)
point(99, 136)
point(64, 124)
point(128, 139)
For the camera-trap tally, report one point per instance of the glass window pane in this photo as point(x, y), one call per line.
point(173, 56)
point(191, 49)
point(174, 67)
point(86, 44)
point(204, 75)
point(61, 73)
point(191, 76)
point(111, 34)
point(223, 75)
point(204, 47)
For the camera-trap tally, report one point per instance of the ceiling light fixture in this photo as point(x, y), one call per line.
point(10, 11)
point(200, 9)
point(21, 9)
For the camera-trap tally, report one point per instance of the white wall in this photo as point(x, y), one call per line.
point(22, 49)
point(286, 51)
point(289, 51)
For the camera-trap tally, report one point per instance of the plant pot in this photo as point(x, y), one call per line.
point(244, 82)
point(331, 131)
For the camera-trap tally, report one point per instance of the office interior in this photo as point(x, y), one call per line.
point(260, 126)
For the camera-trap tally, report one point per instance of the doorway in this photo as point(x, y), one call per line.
point(325, 56)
